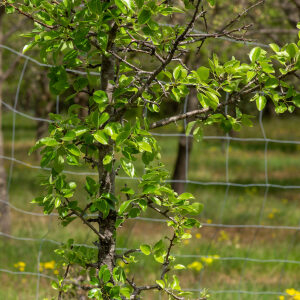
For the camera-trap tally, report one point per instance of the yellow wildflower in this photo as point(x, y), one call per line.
point(294, 293)
point(223, 236)
point(209, 259)
point(196, 265)
point(281, 298)
point(55, 272)
point(198, 235)
point(50, 265)
point(209, 221)
point(271, 216)
point(20, 265)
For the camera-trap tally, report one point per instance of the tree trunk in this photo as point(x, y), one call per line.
point(107, 246)
point(185, 145)
point(4, 208)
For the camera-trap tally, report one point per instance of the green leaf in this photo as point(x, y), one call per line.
point(146, 249)
point(80, 83)
point(274, 47)
point(9, 9)
point(58, 80)
point(91, 186)
point(158, 246)
point(101, 137)
point(104, 274)
point(125, 291)
point(197, 208)
point(124, 206)
point(139, 3)
point(161, 283)
point(203, 73)
point(100, 97)
point(123, 5)
point(49, 141)
point(127, 190)
point(119, 274)
point(271, 83)
point(144, 16)
point(128, 167)
point(103, 118)
point(179, 267)
point(211, 2)
point(186, 196)
point(189, 127)
point(296, 99)
point(255, 54)
point(69, 136)
point(28, 47)
point(134, 212)
point(55, 285)
point(144, 146)
point(177, 72)
point(261, 102)
point(107, 159)
point(186, 236)
point(57, 202)
point(123, 136)
point(73, 150)
point(292, 50)
point(281, 109)
point(95, 6)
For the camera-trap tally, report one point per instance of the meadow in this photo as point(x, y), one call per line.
point(207, 253)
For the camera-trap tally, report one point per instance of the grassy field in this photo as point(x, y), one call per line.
point(242, 205)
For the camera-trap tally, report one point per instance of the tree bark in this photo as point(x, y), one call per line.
point(107, 247)
point(185, 145)
point(5, 221)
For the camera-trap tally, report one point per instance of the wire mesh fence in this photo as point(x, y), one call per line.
point(252, 230)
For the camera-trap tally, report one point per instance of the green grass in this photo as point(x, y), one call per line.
point(241, 206)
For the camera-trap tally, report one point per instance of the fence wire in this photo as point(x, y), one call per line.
point(227, 184)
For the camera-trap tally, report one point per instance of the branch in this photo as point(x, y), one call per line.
point(31, 17)
point(241, 14)
point(203, 36)
point(179, 117)
point(121, 256)
point(128, 63)
point(164, 213)
point(180, 38)
point(247, 89)
point(165, 266)
point(62, 284)
point(88, 224)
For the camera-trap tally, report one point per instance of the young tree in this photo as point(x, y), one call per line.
point(109, 37)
